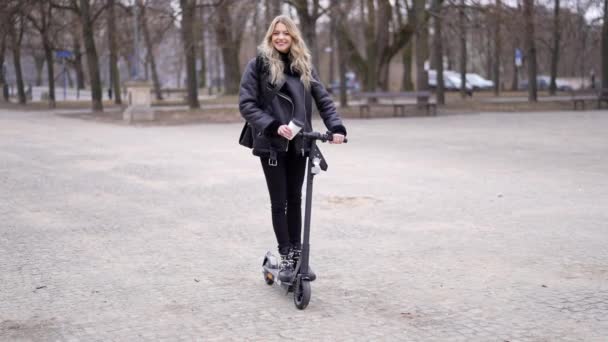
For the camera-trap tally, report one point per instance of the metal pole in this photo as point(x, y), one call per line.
point(65, 80)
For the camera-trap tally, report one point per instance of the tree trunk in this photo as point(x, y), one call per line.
point(371, 81)
point(218, 68)
point(2, 75)
point(257, 28)
point(308, 18)
point(605, 47)
point(48, 52)
point(92, 59)
point(378, 51)
point(188, 9)
point(332, 53)
point(422, 50)
point(489, 42)
point(202, 73)
point(69, 77)
point(114, 73)
point(463, 49)
point(16, 37)
point(407, 82)
point(337, 19)
point(382, 43)
point(273, 8)
point(530, 49)
point(19, 74)
point(342, 71)
point(555, 49)
point(22, 99)
point(150, 55)
point(438, 52)
point(230, 50)
point(497, 48)
point(39, 65)
point(80, 81)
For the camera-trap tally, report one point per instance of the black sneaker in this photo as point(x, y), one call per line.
point(294, 255)
point(285, 268)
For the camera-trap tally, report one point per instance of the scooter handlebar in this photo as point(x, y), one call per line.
point(320, 136)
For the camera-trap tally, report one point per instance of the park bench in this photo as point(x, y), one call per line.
point(579, 97)
point(398, 100)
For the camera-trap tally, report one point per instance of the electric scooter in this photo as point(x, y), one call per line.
point(299, 284)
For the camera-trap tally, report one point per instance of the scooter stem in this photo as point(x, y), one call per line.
point(307, 211)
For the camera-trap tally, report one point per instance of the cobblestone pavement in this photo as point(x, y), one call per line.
point(487, 227)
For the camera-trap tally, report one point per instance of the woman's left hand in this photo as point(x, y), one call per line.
point(337, 139)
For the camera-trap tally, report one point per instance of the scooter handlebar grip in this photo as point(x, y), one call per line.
point(330, 137)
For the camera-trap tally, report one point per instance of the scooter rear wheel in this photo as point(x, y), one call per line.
point(301, 295)
point(269, 278)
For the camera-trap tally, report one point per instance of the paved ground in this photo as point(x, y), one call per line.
point(487, 227)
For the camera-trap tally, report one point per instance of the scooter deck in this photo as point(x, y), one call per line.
point(271, 272)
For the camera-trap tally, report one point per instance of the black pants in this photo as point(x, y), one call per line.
point(285, 188)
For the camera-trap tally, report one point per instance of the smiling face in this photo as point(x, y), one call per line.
point(281, 39)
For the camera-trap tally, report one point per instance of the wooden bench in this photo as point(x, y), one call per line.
point(396, 100)
point(579, 97)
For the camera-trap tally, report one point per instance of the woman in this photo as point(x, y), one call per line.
point(278, 86)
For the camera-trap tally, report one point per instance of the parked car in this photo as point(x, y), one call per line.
point(543, 82)
point(451, 81)
point(478, 82)
point(351, 87)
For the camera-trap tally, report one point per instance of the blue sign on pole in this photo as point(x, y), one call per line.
point(518, 57)
point(64, 54)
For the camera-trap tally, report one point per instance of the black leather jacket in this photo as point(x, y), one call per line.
point(266, 107)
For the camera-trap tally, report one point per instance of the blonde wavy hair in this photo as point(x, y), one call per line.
point(299, 55)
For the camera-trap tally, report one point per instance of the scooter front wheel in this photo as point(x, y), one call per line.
point(301, 295)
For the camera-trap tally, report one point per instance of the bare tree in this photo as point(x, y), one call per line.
point(114, 73)
point(86, 16)
point(78, 67)
point(42, 19)
point(555, 48)
point(2, 75)
point(463, 48)
point(497, 47)
point(380, 43)
point(16, 30)
point(332, 46)
point(605, 47)
point(188, 8)
point(88, 34)
point(273, 8)
point(202, 31)
point(530, 49)
point(39, 60)
point(368, 14)
point(308, 13)
point(515, 67)
point(438, 51)
point(229, 37)
point(337, 18)
point(150, 58)
point(407, 51)
point(422, 48)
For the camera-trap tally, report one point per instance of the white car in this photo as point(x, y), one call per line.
point(451, 80)
point(479, 82)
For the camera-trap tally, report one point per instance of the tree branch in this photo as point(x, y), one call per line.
point(96, 15)
point(72, 8)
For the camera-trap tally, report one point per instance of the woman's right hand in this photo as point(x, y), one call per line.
point(285, 132)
